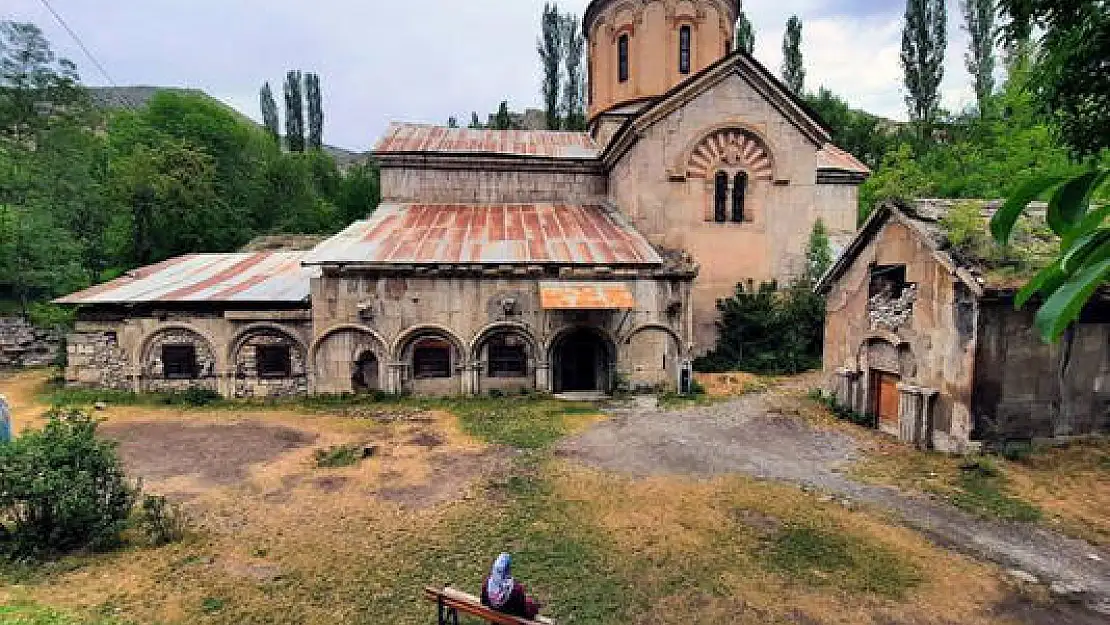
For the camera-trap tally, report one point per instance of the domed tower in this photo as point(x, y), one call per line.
point(639, 49)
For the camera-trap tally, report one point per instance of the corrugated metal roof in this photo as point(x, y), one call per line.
point(252, 277)
point(500, 234)
point(401, 138)
point(832, 157)
point(585, 296)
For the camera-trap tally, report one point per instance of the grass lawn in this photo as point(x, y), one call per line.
point(451, 483)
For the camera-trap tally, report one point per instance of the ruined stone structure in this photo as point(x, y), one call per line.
point(926, 338)
point(516, 260)
point(22, 344)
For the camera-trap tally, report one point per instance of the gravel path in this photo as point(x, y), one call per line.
point(747, 436)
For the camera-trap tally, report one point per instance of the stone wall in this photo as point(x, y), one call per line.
point(1025, 388)
point(356, 313)
point(125, 352)
point(649, 184)
point(24, 345)
point(482, 186)
point(927, 336)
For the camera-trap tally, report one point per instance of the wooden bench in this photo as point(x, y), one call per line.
point(451, 602)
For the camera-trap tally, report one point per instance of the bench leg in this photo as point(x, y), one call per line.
point(447, 615)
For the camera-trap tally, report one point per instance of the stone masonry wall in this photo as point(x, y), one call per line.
point(153, 367)
point(248, 382)
point(24, 345)
point(401, 185)
point(97, 359)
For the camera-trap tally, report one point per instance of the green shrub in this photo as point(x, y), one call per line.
point(338, 456)
point(62, 489)
point(196, 397)
point(160, 521)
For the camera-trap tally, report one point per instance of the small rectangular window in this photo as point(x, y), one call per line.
point(888, 280)
point(273, 361)
point(684, 49)
point(179, 362)
point(507, 361)
point(431, 359)
point(622, 58)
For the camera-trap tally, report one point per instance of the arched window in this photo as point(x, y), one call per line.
point(684, 49)
point(739, 190)
point(720, 197)
point(622, 58)
point(431, 358)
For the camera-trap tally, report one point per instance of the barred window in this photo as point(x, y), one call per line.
point(720, 197)
point(273, 361)
point(179, 362)
point(739, 191)
point(431, 358)
point(507, 358)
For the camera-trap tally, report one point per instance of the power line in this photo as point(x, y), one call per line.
point(80, 43)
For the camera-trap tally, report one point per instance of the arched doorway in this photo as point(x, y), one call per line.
point(581, 361)
point(365, 377)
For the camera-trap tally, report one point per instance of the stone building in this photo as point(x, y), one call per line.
point(510, 260)
point(921, 332)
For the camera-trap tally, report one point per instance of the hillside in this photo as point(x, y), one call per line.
point(137, 96)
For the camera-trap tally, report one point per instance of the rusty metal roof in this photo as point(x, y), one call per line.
point(586, 296)
point(833, 157)
point(252, 277)
point(408, 138)
point(499, 234)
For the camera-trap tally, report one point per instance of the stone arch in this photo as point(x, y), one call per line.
point(336, 351)
point(486, 379)
point(403, 352)
point(732, 145)
point(651, 357)
point(151, 372)
point(561, 352)
point(243, 359)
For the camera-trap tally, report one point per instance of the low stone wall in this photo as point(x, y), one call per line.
point(24, 345)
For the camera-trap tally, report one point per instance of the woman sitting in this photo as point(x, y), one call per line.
point(504, 594)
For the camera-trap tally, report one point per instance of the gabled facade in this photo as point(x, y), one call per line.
point(925, 338)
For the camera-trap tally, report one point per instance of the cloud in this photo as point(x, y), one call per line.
point(426, 60)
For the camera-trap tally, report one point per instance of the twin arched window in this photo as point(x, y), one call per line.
point(721, 213)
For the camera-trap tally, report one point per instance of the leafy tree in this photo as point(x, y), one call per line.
point(793, 69)
point(745, 34)
point(866, 136)
point(550, 48)
point(36, 87)
point(980, 24)
point(270, 112)
point(61, 489)
point(574, 105)
point(294, 112)
point(452, 122)
point(475, 121)
point(315, 111)
point(818, 253)
point(1072, 81)
point(359, 192)
point(924, 41)
point(502, 119)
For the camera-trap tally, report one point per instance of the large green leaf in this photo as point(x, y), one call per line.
point(1045, 282)
point(1068, 301)
point(1002, 224)
point(1092, 220)
point(1090, 248)
point(1069, 204)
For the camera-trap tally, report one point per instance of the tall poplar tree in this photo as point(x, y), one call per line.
point(979, 19)
point(793, 69)
point(294, 112)
point(745, 34)
point(315, 111)
point(574, 46)
point(270, 112)
point(924, 41)
point(550, 48)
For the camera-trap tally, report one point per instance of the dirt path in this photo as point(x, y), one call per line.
point(747, 435)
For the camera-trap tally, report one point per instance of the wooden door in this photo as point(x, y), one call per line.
point(887, 398)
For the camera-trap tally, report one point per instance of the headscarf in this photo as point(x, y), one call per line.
point(500, 585)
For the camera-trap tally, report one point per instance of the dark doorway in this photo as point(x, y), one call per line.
point(581, 363)
point(365, 377)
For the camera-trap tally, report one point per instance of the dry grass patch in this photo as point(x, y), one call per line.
point(748, 551)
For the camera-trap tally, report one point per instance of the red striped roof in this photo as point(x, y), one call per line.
point(500, 234)
point(402, 138)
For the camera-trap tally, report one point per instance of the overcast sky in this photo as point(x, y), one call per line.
point(425, 60)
